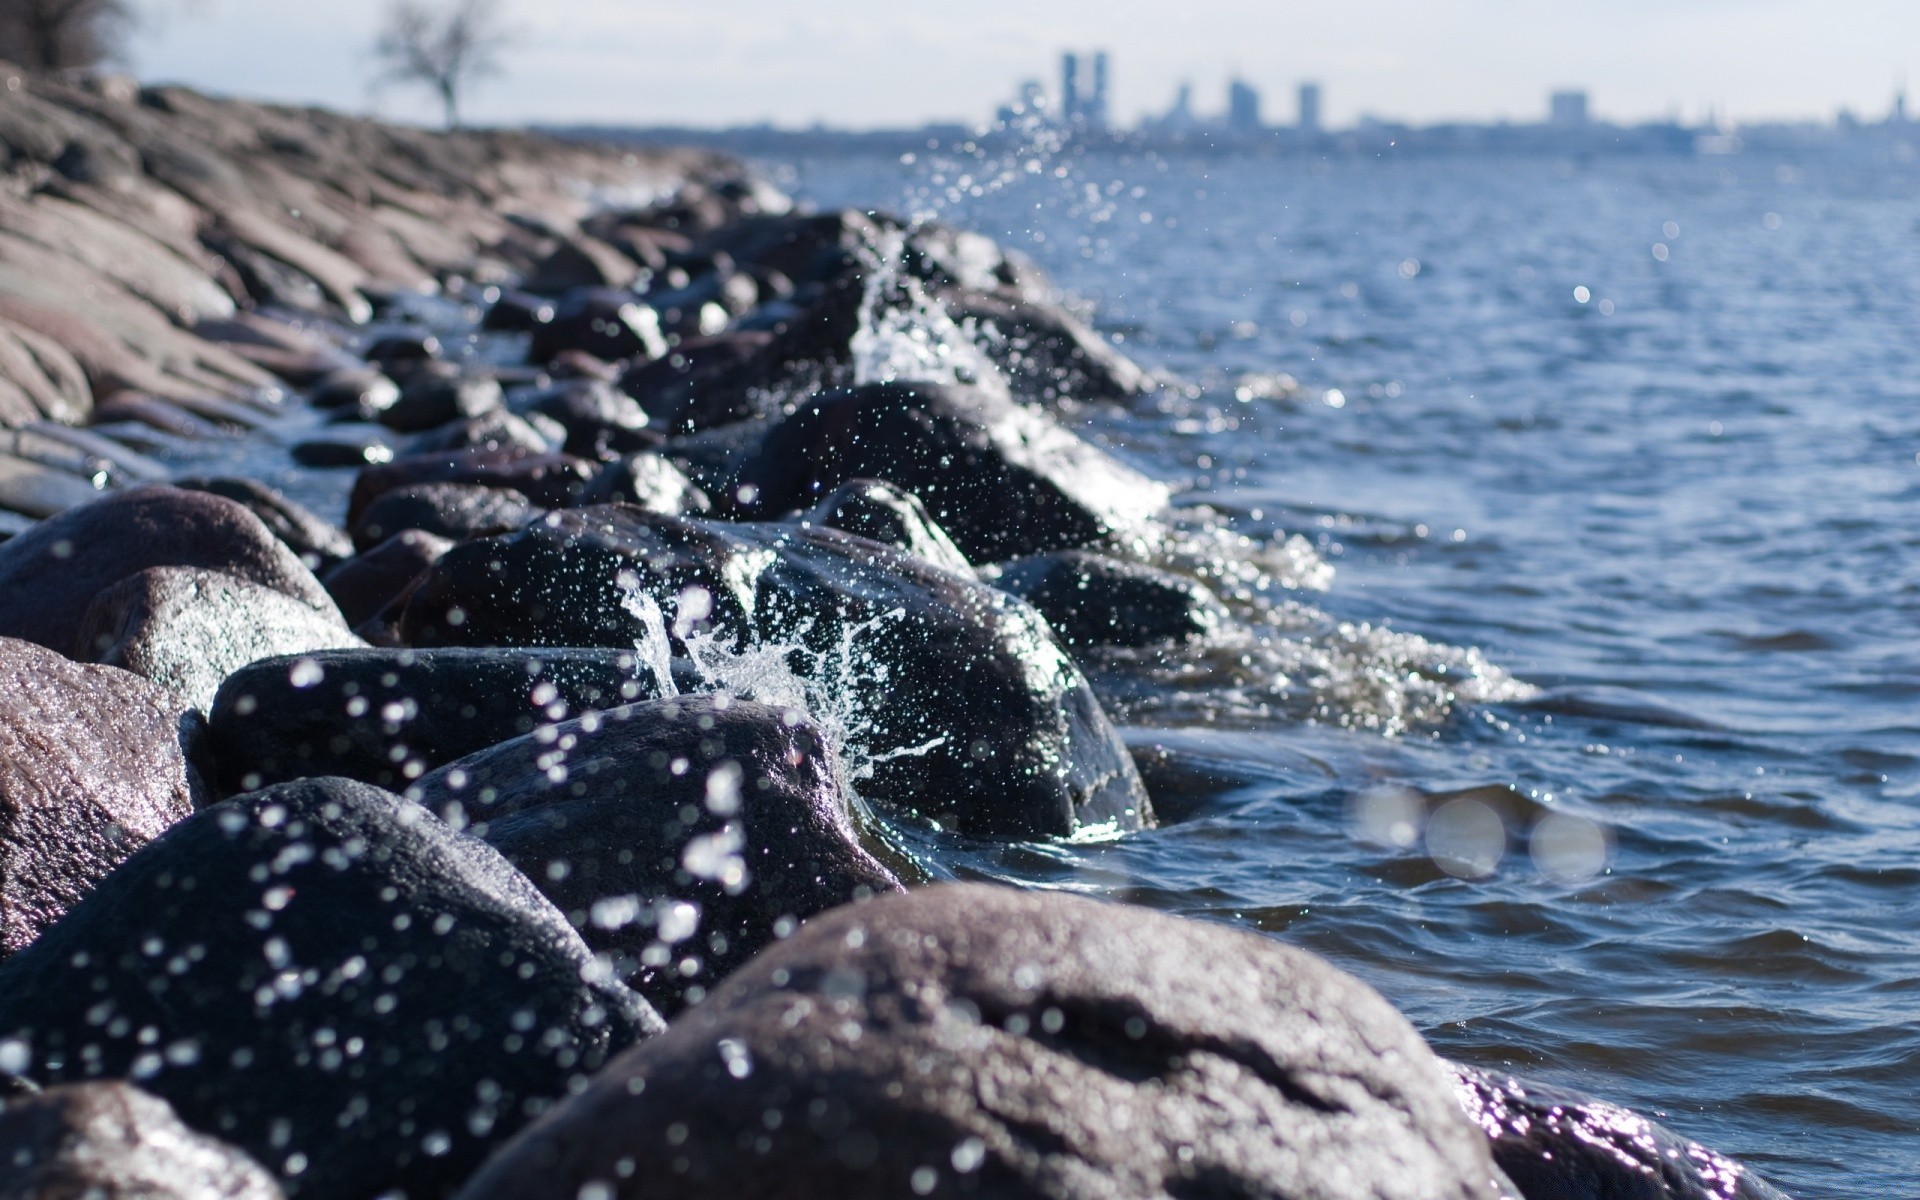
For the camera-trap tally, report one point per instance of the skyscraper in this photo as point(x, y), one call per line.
point(1243, 107)
point(1070, 87)
point(1310, 108)
point(1097, 108)
point(1568, 108)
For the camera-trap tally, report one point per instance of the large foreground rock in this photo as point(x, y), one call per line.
point(1093, 600)
point(968, 1040)
point(968, 710)
point(110, 1141)
point(49, 575)
point(1556, 1144)
point(188, 629)
point(681, 836)
point(93, 765)
point(330, 978)
point(386, 717)
point(1002, 479)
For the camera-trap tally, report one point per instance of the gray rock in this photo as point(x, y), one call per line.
point(967, 1040)
point(456, 511)
point(188, 629)
point(49, 575)
point(94, 763)
point(331, 979)
point(1093, 600)
point(319, 542)
point(370, 581)
point(681, 873)
point(1001, 479)
point(874, 509)
point(111, 1141)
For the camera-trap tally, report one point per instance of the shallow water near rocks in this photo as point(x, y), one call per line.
point(1640, 555)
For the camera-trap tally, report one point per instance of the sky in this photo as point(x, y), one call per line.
point(893, 63)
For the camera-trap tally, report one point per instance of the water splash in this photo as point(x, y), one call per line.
point(907, 336)
point(652, 647)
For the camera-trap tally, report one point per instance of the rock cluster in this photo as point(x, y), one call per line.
point(539, 828)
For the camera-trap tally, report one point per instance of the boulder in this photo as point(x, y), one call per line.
point(606, 324)
point(373, 579)
point(549, 480)
point(684, 836)
point(438, 393)
point(319, 542)
point(880, 512)
point(94, 763)
point(338, 450)
point(517, 312)
point(112, 1141)
point(966, 708)
point(1001, 479)
point(450, 510)
point(581, 262)
point(386, 716)
point(702, 382)
point(330, 978)
point(601, 421)
point(362, 390)
point(970, 1040)
point(1093, 600)
point(188, 629)
point(1557, 1144)
point(646, 480)
point(497, 430)
point(49, 576)
point(400, 354)
point(1046, 353)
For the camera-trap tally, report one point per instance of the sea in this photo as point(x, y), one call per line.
point(1571, 513)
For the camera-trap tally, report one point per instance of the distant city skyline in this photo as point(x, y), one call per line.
point(862, 66)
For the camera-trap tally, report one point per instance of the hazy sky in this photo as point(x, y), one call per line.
point(867, 63)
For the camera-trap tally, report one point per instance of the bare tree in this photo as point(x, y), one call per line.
point(442, 44)
point(52, 34)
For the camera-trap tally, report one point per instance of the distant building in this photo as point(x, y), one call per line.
point(1568, 109)
point(1097, 107)
point(1078, 106)
point(1031, 103)
point(1243, 107)
point(1069, 86)
point(1310, 108)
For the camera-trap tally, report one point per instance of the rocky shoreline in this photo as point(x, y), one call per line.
point(532, 829)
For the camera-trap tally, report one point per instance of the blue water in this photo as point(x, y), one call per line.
point(1643, 435)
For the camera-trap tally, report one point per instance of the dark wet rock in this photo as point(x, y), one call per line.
point(1093, 600)
point(581, 262)
point(330, 978)
point(1557, 1144)
point(704, 306)
point(450, 510)
point(1045, 351)
point(358, 389)
point(880, 512)
point(94, 763)
point(969, 1040)
point(386, 716)
point(702, 382)
point(498, 430)
point(339, 451)
point(402, 353)
point(517, 312)
point(438, 393)
point(805, 249)
point(373, 579)
point(1001, 479)
point(606, 324)
point(648, 480)
point(578, 364)
point(752, 829)
point(49, 576)
point(319, 542)
point(112, 1141)
point(601, 422)
point(187, 629)
point(549, 480)
point(973, 713)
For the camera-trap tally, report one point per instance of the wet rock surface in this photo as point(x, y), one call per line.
point(188, 629)
point(111, 1141)
point(967, 1040)
point(386, 717)
point(549, 480)
point(319, 543)
point(365, 585)
point(456, 511)
point(880, 512)
point(683, 836)
point(94, 763)
point(1093, 600)
point(1556, 1144)
point(649, 481)
point(49, 575)
point(1001, 479)
point(331, 979)
point(971, 712)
